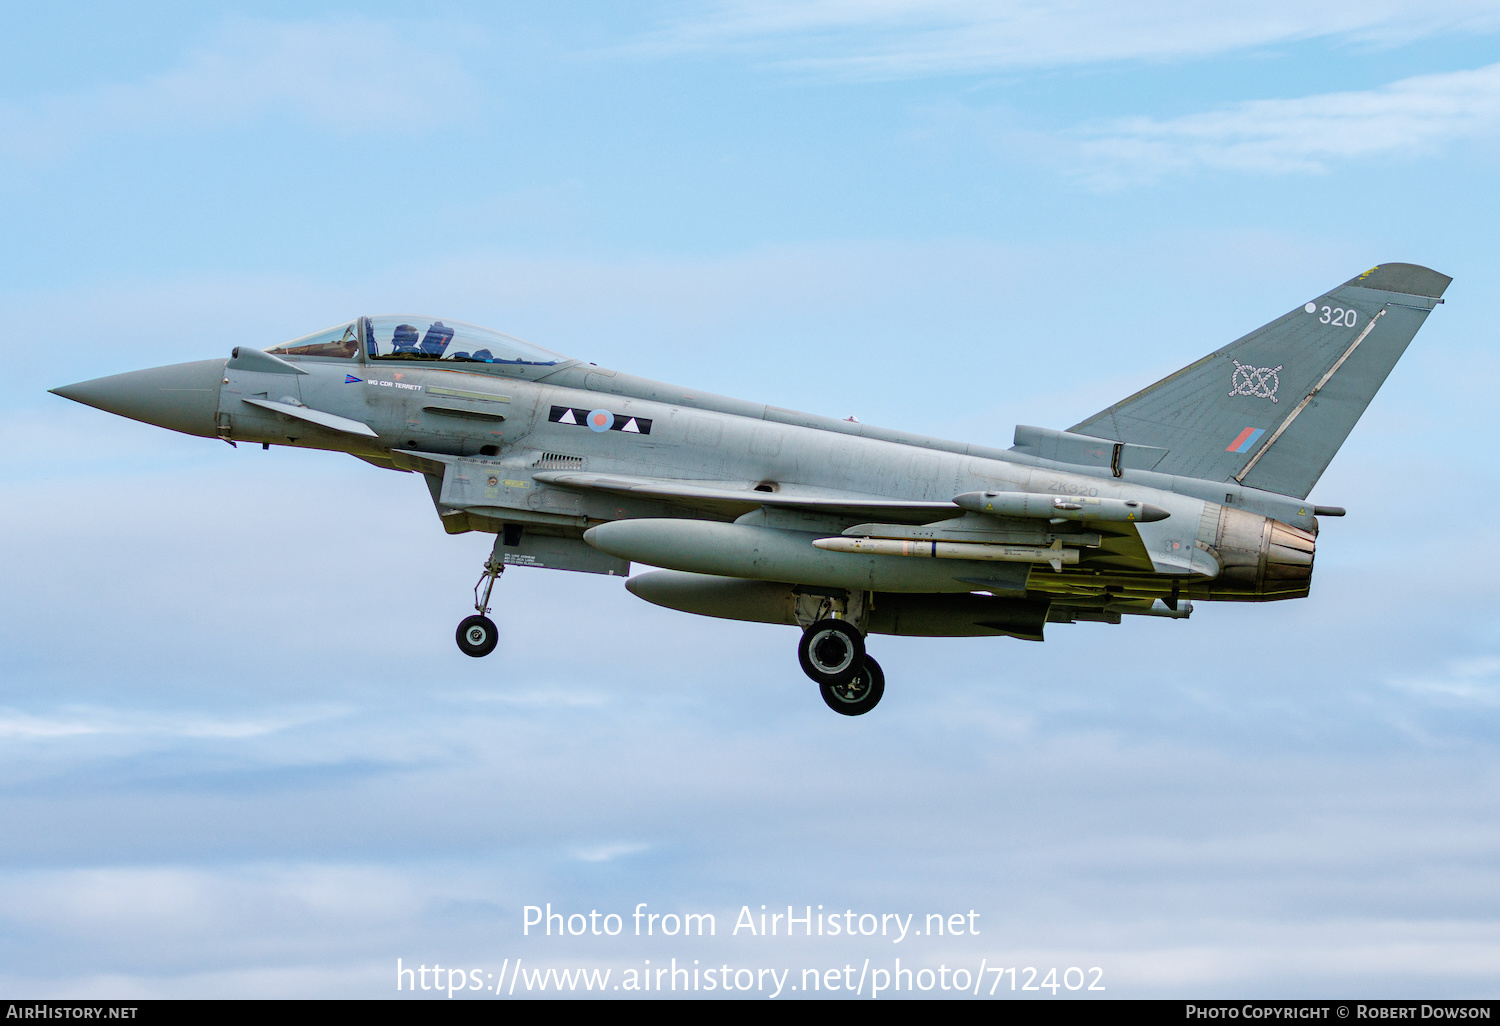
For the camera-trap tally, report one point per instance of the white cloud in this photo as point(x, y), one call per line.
point(345, 76)
point(79, 722)
point(1413, 115)
point(900, 38)
point(1465, 682)
point(607, 852)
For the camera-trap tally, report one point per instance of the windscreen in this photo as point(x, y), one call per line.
point(339, 342)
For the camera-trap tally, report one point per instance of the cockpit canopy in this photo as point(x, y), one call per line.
point(427, 338)
point(407, 337)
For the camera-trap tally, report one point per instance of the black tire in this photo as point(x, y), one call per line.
point(858, 696)
point(831, 651)
point(477, 636)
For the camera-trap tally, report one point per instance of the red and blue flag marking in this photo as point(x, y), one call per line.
point(1245, 440)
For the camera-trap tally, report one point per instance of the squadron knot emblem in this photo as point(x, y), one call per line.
point(1256, 382)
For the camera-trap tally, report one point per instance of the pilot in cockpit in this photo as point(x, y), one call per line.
point(403, 337)
point(404, 340)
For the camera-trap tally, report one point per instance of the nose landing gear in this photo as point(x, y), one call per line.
point(477, 635)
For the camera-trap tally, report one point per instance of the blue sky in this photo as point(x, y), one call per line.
point(239, 753)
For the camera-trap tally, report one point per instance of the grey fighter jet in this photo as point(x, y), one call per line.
point(1193, 489)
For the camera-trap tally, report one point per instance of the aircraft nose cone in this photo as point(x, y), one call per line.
point(183, 397)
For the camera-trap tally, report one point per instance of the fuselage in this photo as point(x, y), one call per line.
point(488, 437)
point(1192, 488)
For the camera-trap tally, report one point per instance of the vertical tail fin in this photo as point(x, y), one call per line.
point(1271, 409)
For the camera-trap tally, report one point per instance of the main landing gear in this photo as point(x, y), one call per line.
point(858, 696)
point(831, 651)
point(477, 635)
point(832, 654)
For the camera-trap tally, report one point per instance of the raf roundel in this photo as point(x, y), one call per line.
point(600, 420)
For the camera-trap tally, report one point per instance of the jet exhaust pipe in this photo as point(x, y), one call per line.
point(1261, 558)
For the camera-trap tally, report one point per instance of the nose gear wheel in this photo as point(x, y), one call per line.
point(477, 635)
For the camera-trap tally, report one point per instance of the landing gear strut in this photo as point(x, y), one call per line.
point(477, 635)
point(832, 651)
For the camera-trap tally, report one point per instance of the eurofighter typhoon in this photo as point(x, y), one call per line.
point(1193, 489)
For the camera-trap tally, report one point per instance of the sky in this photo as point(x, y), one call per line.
point(240, 755)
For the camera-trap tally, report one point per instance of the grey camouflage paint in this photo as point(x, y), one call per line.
point(725, 493)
